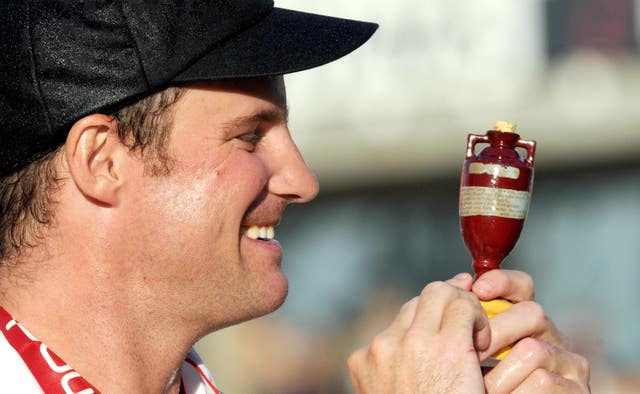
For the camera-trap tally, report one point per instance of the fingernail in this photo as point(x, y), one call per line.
point(483, 285)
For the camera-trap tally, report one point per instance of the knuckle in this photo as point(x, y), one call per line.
point(527, 284)
point(356, 367)
point(412, 340)
point(464, 305)
point(491, 383)
point(472, 298)
point(543, 380)
point(434, 288)
point(355, 359)
point(535, 313)
point(438, 289)
point(410, 303)
point(535, 350)
point(528, 344)
point(380, 347)
point(583, 366)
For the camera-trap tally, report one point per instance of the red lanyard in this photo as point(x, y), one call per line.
point(49, 370)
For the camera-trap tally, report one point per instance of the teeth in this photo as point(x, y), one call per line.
point(260, 232)
point(253, 232)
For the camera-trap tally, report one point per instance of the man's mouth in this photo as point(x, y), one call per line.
point(263, 233)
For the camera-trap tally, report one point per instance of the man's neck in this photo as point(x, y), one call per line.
point(86, 318)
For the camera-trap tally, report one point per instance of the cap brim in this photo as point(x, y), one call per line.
point(285, 41)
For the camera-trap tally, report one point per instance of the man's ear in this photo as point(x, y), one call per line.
point(96, 158)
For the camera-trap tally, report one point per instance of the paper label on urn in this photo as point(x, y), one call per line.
point(494, 170)
point(490, 201)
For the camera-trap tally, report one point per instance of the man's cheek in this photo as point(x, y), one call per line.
point(243, 174)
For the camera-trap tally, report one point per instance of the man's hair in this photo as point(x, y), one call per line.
point(27, 195)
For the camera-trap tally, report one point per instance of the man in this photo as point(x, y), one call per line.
point(145, 161)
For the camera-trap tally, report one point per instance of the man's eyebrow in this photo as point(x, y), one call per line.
point(279, 115)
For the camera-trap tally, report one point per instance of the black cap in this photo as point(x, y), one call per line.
point(64, 59)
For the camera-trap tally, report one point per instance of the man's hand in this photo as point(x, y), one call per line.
point(431, 346)
point(542, 360)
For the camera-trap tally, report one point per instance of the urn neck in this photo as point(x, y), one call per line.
point(502, 140)
point(502, 145)
point(484, 265)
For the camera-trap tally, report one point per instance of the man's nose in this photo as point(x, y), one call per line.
point(291, 177)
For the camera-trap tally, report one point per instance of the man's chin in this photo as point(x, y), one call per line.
point(269, 296)
point(276, 293)
point(260, 293)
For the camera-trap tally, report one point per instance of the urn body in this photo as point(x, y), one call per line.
point(494, 196)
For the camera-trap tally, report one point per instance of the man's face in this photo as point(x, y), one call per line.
point(206, 230)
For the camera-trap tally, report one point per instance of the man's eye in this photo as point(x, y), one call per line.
point(252, 138)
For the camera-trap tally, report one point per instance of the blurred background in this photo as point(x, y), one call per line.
point(385, 130)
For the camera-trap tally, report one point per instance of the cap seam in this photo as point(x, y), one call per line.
point(34, 74)
point(250, 23)
point(135, 45)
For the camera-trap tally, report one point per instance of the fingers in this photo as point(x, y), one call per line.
point(431, 293)
point(462, 281)
point(524, 319)
point(461, 316)
point(429, 346)
point(465, 322)
point(356, 373)
point(541, 381)
point(534, 365)
point(405, 316)
point(512, 285)
point(427, 311)
point(541, 360)
point(434, 299)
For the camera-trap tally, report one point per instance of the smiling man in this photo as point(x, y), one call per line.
point(211, 218)
point(145, 161)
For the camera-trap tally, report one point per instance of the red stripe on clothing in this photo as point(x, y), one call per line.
point(203, 375)
point(51, 373)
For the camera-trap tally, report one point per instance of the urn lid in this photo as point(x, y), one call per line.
point(504, 126)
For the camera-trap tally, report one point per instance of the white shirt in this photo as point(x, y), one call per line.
point(18, 346)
